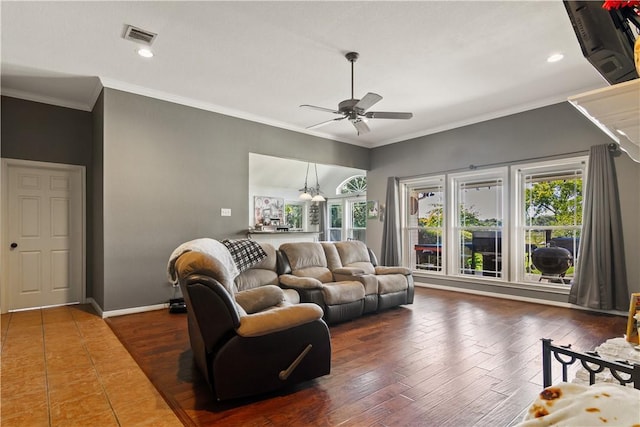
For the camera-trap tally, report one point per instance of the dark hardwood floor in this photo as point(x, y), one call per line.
point(450, 359)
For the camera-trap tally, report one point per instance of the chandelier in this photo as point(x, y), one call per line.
point(311, 193)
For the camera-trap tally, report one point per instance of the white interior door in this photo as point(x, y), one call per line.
point(45, 226)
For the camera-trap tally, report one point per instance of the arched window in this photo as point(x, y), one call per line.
point(354, 184)
point(348, 214)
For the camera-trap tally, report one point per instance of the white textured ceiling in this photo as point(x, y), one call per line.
point(450, 63)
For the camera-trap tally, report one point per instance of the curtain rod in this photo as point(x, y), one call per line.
point(505, 163)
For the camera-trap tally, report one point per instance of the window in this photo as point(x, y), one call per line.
point(549, 214)
point(347, 219)
point(477, 208)
point(490, 224)
point(335, 221)
point(424, 231)
point(294, 215)
point(357, 227)
point(355, 184)
point(348, 211)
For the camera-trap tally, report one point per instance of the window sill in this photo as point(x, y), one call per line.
point(551, 288)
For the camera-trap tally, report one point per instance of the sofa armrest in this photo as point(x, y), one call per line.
point(278, 319)
point(393, 270)
point(300, 282)
point(348, 271)
point(260, 298)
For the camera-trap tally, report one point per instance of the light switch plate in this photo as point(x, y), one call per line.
point(225, 212)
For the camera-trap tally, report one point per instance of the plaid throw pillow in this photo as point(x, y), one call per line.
point(245, 252)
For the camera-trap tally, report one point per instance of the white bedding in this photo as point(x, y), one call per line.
point(569, 404)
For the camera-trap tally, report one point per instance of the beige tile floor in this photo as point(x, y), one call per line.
point(64, 366)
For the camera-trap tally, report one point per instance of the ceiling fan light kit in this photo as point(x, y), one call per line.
point(356, 109)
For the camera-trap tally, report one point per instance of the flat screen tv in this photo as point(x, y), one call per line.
point(605, 37)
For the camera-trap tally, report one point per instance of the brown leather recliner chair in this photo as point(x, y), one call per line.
point(251, 342)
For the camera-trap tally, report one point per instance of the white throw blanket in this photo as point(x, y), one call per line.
point(568, 404)
point(612, 349)
point(205, 245)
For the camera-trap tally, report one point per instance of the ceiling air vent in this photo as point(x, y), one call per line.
point(139, 35)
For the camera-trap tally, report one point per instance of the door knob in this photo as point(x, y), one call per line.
point(14, 245)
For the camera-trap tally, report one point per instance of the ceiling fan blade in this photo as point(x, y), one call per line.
point(313, 107)
point(368, 101)
point(388, 115)
point(361, 126)
point(317, 125)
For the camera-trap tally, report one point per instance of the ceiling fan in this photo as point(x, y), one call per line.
point(356, 109)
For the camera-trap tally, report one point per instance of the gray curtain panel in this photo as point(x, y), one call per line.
point(391, 230)
point(600, 280)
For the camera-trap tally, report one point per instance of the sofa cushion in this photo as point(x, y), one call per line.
point(255, 277)
point(354, 253)
point(270, 261)
point(342, 292)
point(322, 274)
point(370, 283)
point(200, 263)
point(304, 254)
point(300, 282)
point(333, 258)
point(391, 283)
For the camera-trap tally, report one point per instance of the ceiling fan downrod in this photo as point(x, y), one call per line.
point(352, 57)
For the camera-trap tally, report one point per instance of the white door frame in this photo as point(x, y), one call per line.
point(4, 213)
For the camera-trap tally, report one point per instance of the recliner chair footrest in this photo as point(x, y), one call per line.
point(342, 312)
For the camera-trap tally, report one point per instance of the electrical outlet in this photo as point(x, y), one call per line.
point(225, 212)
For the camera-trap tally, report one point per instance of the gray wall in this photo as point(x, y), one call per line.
point(158, 174)
point(556, 130)
point(168, 170)
point(46, 133)
point(42, 132)
point(96, 215)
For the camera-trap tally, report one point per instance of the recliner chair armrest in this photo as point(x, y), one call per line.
point(393, 270)
point(278, 319)
point(300, 282)
point(348, 271)
point(260, 298)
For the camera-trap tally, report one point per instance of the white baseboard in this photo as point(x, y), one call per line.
point(517, 298)
point(95, 306)
point(141, 309)
point(124, 311)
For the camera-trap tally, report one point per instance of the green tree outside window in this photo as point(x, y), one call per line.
point(293, 215)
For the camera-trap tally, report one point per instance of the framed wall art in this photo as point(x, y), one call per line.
point(268, 210)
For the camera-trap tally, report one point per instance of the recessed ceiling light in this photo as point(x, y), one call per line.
point(145, 53)
point(555, 57)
